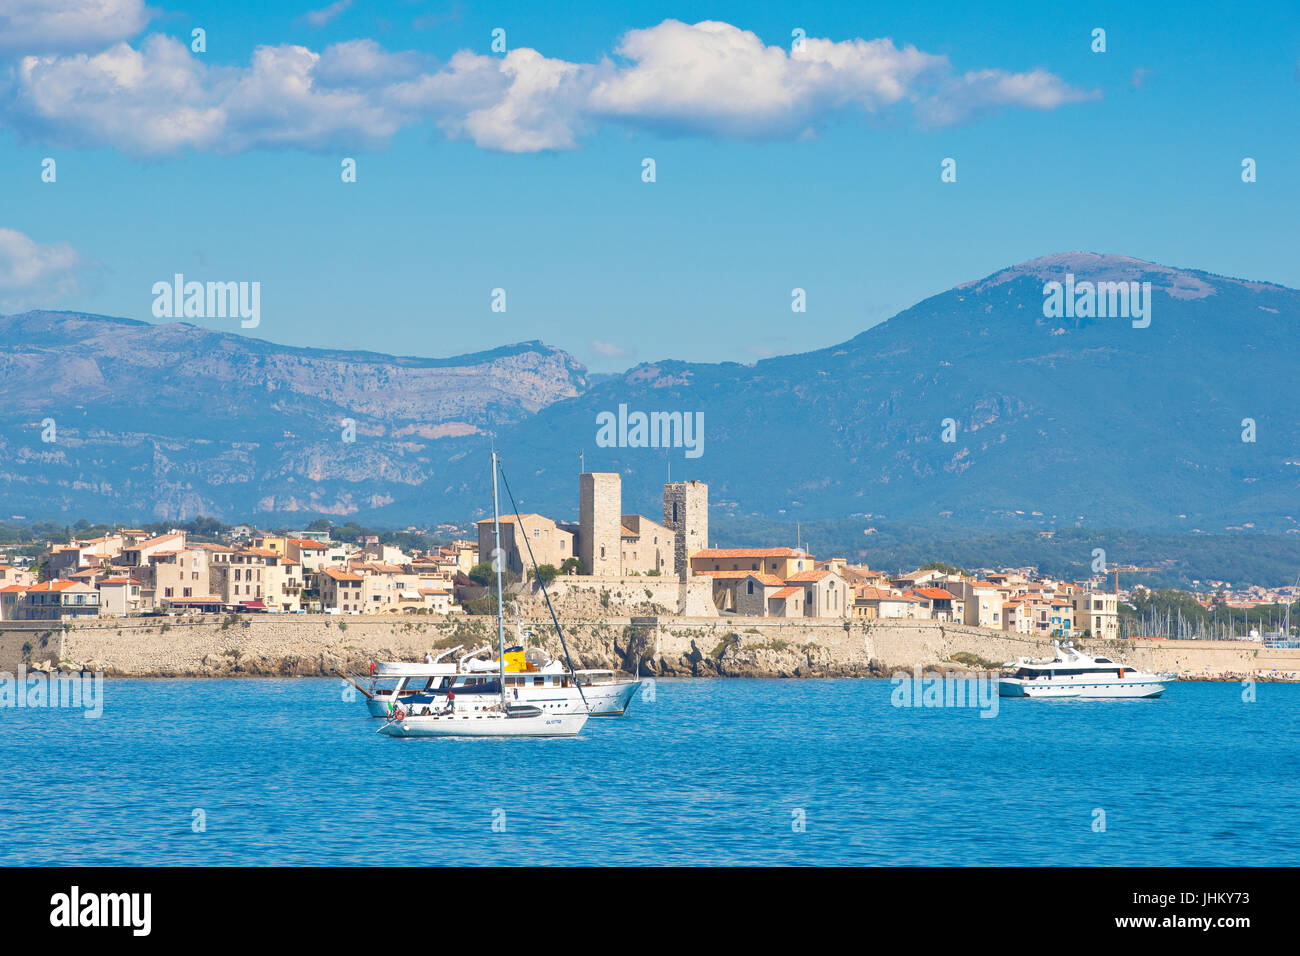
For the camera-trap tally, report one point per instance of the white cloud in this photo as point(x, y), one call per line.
point(62, 26)
point(716, 78)
point(159, 99)
point(366, 63)
point(609, 350)
point(323, 16)
point(981, 91)
point(35, 273)
point(709, 79)
point(540, 107)
point(148, 101)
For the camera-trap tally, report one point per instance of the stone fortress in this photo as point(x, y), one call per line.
point(607, 542)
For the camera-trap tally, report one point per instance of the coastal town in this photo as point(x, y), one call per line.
point(130, 572)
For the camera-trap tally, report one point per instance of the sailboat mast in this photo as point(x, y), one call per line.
point(496, 560)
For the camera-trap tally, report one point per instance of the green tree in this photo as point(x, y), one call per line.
point(483, 574)
point(941, 566)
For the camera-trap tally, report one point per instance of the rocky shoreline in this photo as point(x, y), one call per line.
point(652, 646)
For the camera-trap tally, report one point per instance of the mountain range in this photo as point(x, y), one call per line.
point(977, 406)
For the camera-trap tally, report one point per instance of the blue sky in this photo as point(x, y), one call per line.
point(461, 189)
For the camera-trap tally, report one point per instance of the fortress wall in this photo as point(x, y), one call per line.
point(583, 597)
point(314, 645)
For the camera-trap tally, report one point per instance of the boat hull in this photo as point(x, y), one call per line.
point(1101, 690)
point(611, 700)
point(486, 725)
point(604, 700)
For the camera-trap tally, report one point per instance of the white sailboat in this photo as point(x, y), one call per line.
point(531, 678)
point(448, 717)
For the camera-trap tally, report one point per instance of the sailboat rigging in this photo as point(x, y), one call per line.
point(438, 716)
point(549, 606)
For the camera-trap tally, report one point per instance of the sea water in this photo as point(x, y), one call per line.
point(257, 771)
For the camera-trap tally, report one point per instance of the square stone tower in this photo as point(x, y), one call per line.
point(686, 512)
point(600, 523)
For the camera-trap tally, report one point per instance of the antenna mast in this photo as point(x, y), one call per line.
point(501, 609)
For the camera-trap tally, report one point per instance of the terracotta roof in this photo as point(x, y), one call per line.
point(56, 585)
point(770, 580)
point(340, 575)
point(509, 519)
point(876, 594)
point(935, 594)
point(309, 544)
point(808, 576)
point(856, 572)
point(154, 541)
point(12, 588)
point(786, 592)
point(751, 553)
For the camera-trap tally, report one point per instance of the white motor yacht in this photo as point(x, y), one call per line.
point(1071, 673)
